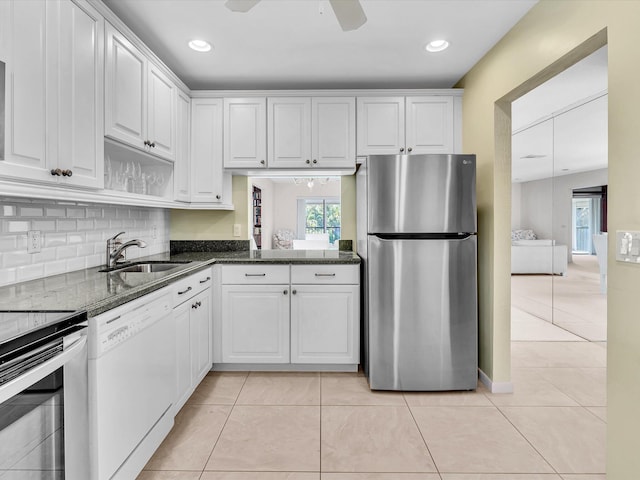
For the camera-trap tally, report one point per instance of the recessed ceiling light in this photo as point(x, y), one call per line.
point(436, 45)
point(200, 45)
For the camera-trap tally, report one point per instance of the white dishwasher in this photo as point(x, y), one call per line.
point(131, 384)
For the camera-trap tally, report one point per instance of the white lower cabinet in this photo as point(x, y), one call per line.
point(192, 321)
point(324, 324)
point(310, 316)
point(255, 323)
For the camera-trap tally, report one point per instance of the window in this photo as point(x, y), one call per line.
point(319, 216)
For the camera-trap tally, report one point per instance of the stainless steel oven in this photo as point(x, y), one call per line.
point(43, 396)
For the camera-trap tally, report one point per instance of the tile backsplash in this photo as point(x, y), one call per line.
point(73, 235)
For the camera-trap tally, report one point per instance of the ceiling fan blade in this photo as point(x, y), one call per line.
point(242, 6)
point(349, 13)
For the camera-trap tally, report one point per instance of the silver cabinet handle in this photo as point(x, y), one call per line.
point(402, 150)
point(293, 292)
point(325, 274)
point(205, 280)
point(307, 162)
point(409, 149)
point(255, 274)
point(261, 162)
point(284, 292)
point(185, 291)
point(315, 161)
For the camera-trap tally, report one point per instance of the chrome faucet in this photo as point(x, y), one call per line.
point(115, 249)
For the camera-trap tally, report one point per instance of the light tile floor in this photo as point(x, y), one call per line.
point(330, 426)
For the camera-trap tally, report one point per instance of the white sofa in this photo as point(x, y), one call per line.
point(538, 256)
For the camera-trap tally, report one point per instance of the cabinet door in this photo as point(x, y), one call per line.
point(125, 90)
point(24, 48)
point(380, 125)
point(182, 334)
point(333, 132)
point(325, 324)
point(80, 100)
point(181, 167)
point(200, 331)
point(255, 323)
point(429, 127)
point(161, 114)
point(289, 132)
point(245, 132)
point(206, 150)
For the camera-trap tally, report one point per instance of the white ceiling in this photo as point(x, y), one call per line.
point(288, 44)
point(553, 123)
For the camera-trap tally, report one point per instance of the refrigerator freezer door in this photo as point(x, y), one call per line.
point(422, 316)
point(421, 193)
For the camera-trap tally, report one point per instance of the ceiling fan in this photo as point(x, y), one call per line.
point(349, 13)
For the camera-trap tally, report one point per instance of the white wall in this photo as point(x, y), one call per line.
point(546, 204)
point(268, 213)
point(285, 200)
point(516, 202)
point(73, 235)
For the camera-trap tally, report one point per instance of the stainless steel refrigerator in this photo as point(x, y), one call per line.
point(417, 239)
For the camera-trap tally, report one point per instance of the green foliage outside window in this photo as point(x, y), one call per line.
point(323, 217)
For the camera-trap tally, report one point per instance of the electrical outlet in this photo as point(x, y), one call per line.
point(34, 243)
point(236, 230)
point(154, 232)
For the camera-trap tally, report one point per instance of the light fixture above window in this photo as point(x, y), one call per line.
point(200, 45)
point(436, 46)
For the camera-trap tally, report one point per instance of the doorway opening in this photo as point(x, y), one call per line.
point(559, 152)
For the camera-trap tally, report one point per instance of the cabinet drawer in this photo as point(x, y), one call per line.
point(190, 286)
point(325, 274)
point(255, 274)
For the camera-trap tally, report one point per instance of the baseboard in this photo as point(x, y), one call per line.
point(284, 367)
point(495, 387)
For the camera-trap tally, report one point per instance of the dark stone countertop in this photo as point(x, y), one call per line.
point(97, 292)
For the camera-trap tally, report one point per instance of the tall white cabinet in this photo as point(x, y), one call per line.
point(54, 73)
point(208, 183)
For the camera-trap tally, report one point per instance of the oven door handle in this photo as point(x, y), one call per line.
point(24, 381)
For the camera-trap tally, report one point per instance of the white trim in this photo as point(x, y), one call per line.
point(283, 367)
point(495, 387)
point(15, 188)
point(356, 92)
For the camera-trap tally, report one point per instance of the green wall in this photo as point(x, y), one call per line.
point(552, 36)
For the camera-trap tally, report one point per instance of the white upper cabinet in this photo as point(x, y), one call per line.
point(161, 114)
point(125, 90)
point(207, 179)
point(289, 132)
point(380, 125)
point(139, 99)
point(80, 124)
point(182, 167)
point(245, 129)
point(308, 132)
point(429, 127)
point(53, 54)
point(333, 132)
point(399, 125)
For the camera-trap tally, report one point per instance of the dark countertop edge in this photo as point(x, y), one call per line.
point(103, 306)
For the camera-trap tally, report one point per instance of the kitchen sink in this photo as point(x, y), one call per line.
point(145, 267)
